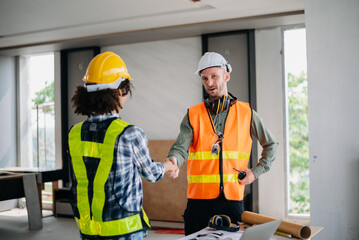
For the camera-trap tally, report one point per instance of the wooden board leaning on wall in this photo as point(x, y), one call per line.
point(165, 200)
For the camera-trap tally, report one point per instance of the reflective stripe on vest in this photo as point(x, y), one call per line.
point(104, 151)
point(203, 167)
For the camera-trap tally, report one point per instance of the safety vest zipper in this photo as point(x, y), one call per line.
point(221, 156)
point(221, 187)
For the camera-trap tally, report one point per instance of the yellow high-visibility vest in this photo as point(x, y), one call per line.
point(203, 167)
point(90, 221)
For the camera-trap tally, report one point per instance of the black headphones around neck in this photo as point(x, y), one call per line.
point(222, 222)
point(221, 104)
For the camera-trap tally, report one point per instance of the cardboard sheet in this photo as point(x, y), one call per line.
point(165, 200)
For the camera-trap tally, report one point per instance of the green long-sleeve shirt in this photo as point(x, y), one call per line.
point(179, 149)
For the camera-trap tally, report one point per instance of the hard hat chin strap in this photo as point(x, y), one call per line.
point(94, 87)
point(228, 67)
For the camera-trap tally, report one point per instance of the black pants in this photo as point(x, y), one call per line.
point(198, 212)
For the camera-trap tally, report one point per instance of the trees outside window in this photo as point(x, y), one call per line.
point(37, 115)
point(36, 111)
point(43, 127)
point(298, 144)
point(295, 66)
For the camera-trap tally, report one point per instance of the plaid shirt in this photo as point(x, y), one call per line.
point(131, 161)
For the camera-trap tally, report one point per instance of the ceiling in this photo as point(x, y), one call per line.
point(28, 26)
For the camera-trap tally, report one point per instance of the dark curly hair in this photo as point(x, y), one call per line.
point(99, 102)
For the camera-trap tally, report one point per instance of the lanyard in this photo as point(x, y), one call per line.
point(215, 148)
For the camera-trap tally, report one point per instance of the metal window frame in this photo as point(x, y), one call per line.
point(64, 107)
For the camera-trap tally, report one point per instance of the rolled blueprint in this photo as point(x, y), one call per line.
point(297, 230)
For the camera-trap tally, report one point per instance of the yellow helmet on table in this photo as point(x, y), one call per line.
point(106, 71)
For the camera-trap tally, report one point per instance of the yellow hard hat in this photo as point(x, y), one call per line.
point(106, 70)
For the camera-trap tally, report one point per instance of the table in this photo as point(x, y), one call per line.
point(237, 235)
point(24, 182)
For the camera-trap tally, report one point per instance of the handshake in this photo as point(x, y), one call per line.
point(246, 176)
point(171, 167)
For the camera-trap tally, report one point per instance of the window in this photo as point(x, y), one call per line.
point(37, 115)
point(297, 121)
point(37, 111)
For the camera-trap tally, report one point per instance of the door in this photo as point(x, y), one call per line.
point(238, 49)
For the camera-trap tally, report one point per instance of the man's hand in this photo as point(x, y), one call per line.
point(173, 173)
point(250, 177)
point(169, 166)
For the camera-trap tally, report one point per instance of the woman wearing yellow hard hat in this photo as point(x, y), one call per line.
point(109, 156)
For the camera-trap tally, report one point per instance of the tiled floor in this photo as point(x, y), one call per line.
point(14, 226)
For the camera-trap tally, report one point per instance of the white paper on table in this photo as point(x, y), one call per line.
point(211, 235)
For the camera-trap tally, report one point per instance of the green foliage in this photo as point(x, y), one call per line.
point(298, 143)
point(45, 95)
point(43, 127)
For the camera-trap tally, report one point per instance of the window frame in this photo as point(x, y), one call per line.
point(21, 77)
point(302, 219)
point(271, 107)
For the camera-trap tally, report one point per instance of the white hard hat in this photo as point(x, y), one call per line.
point(212, 59)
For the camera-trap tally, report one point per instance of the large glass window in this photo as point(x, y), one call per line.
point(42, 114)
point(37, 116)
point(295, 66)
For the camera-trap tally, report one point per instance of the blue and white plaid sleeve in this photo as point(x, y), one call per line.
point(133, 160)
point(149, 169)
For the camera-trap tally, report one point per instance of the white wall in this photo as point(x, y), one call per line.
point(7, 119)
point(164, 81)
point(270, 106)
point(333, 71)
point(25, 140)
point(8, 112)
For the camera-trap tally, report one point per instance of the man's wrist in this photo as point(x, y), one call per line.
point(256, 172)
point(179, 159)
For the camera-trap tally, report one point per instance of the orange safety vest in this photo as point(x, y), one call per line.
point(203, 167)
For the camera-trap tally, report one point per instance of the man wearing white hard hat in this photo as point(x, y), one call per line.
point(215, 139)
point(109, 156)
